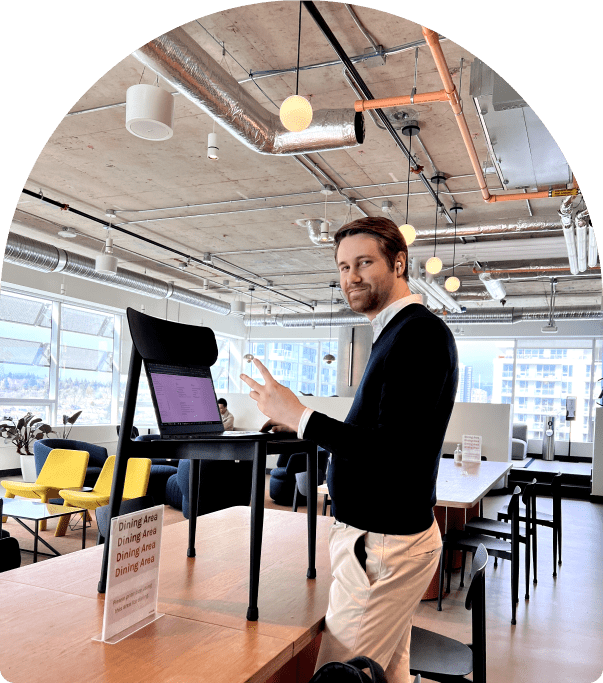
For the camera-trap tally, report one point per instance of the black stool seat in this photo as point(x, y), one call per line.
point(436, 656)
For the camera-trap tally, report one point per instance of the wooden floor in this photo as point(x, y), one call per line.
point(559, 632)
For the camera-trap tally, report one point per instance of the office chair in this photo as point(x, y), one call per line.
point(443, 659)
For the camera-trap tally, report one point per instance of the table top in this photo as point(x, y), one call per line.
point(26, 508)
point(461, 485)
point(204, 635)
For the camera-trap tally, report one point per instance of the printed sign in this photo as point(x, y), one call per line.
point(472, 448)
point(133, 574)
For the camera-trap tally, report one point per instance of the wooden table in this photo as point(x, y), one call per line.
point(52, 610)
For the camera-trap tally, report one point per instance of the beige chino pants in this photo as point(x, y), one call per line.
point(370, 612)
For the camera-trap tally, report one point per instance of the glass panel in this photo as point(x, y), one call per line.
point(86, 365)
point(24, 346)
point(144, 415)
point(542, 386)
point(220, 370)
point(482, 365)
point(8, 409)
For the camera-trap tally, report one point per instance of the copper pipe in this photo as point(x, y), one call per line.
point(401, 101)
point(432, 39)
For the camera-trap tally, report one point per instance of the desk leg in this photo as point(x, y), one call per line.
point(193, 499)
point(312, 469)
point(257, 527)
point(36, 534)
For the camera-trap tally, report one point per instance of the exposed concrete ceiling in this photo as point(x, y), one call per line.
point(93, 163)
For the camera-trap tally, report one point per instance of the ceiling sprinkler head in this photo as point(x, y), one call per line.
point(386, 206)
point(110, 213)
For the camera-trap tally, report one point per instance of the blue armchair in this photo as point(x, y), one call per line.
point(282, 477)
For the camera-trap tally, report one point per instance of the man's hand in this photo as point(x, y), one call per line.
point(274, 400)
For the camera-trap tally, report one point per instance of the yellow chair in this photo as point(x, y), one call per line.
point(138, 472)
point(63, 469)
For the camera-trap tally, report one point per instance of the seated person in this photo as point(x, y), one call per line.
point(227, 417)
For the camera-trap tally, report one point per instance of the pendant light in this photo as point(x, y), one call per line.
point(453, 283)
point(249, 356)
point(296, 111)
point(407, 230)
point(329, 357)
point(434, 264)
point(105, 262)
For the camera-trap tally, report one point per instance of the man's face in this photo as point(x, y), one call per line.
point(364, 274)
point(222, 408)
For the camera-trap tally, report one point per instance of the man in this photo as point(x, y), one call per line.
point(385, 543)
point(227, 417)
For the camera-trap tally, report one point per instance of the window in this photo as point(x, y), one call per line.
point(299, 365)
point(25, 338)
point(485, 373)
point(507, 370)
point(57, 358)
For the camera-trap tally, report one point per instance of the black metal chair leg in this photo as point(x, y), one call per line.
point(462, 584)
point(312, 469)
point(324, 505)
point(294, 507)
point(194, 478)
point(535, 552)
point(441, 586)
point(448, 570)
point(257, 527)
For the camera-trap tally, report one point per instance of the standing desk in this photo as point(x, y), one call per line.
point(170, 343)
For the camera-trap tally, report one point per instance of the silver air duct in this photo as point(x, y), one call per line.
point(567, 222)
point(516, 315)
point(339, 319)
point(508, 229)
point(581, 226)
point(185, 65)
point(25, 251)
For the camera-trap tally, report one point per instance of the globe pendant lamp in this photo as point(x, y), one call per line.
point(249, 356)
point(329, 357)
point(407, 230)
point(434, 264)
point(296, 111)
point(453, 283)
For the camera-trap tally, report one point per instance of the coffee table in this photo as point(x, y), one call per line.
point(35, 511)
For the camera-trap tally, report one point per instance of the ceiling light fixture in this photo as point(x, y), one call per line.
point(296, 111)
point(149, 112)
point(105, 261)
point(249, 355)
point(70, 233)
point(212, 146)
point(329, 357)
point(407, 230)
point(434, 264)
point(453, 283)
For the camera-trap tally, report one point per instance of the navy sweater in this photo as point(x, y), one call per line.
point(386, 454)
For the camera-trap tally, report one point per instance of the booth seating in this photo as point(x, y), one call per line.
point(223, 483)
point(97, 457)
point(519, 442)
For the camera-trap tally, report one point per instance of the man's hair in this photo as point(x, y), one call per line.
point(384, 231)
point(223, 402)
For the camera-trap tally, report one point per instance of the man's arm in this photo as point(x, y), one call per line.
point(229, 422)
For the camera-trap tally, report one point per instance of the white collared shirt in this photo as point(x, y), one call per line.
point(378, 323)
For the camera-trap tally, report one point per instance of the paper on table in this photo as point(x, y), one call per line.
point(472, 448)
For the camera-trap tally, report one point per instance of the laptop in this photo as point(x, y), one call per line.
point(185, 403)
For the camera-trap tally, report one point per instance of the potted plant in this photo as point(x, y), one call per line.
point(21, 433)
point(68, 423)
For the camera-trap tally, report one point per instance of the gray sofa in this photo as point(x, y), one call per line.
point(519, 442)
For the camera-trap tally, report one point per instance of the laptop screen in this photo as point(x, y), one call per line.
point(183, 397)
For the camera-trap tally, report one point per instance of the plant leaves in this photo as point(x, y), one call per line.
point(74, 417)
point(65, 419)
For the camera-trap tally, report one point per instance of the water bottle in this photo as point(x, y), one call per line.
point(458, 454)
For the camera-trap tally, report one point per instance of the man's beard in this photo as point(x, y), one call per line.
point(368, 301)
